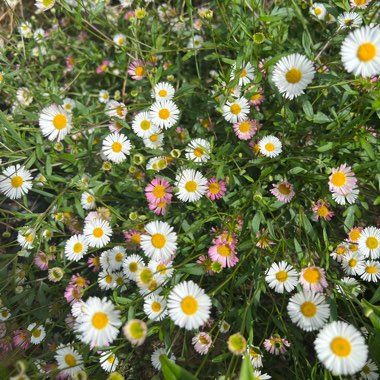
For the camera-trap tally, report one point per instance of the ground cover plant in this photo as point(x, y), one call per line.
point(189, 189)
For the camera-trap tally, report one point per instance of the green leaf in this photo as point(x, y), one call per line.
point(325, 147)
point(321, 118)
point(246, 371)
point(367, 147)
point(172, 371)
point(308, 109)
point(256, 222)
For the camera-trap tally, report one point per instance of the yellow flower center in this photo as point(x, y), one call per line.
point(360, 2)
point(17, 181)
point(136, 330)
point(156, 306)
point(214, 188)
point(108, 279)
point(283, 189)
point(323, 211)
point(164, 114)
point(98, 232)
point(90, 199)
point(256, 97)
point(189, 305)
point(352, 263)
point(366, 369)
point(120, 111)
point(372, 242)
point(244, 127)
point(146, 276)
point(269, 147)
point(135, 239)
point(191, 186)
point(60, 121)
point(224, 250)
point(70, 360)
point(36, 333)
point(317, 11)
point(111, 359)
point(308, 309)
point(78, 247)
point(235, 109)
point(162, 93)
point(80, 282)
point(161, 268)
point(293, 76)
point(145, 125)
point(312, 275)
point(203, 340)
point(354, 235)
point(158, 240)
point(117, 147)
point(47, 3)
point(133, 267)
point(371, 269)
point(340, 346)
point(100, 320)
point(29, 238)
point(338, 179)
point(139, 71)
point(198, 152)
point(159, 191)
point(243, 73)
point(366, 52)
point(121, 41)
point(282, 276)
point(153, 138)
point(119, 257)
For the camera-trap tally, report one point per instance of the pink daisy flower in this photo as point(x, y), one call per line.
point(276, 345)
point(70, 63)
point(21, 339)
point(205, 262)
point(359, 3)
point(263, 241)
point(223, 253)
point(78, 281)
point(158, 208)
point(257, 99)
point(321, 210)
point(283, 191)
point(133, 237)
point(181, 133)
point(94, 262)
point(5, 346)
point(129, 15)
point(245, 129)
point(215, 189)
point(103, 67)
point(41, 260)
point(159, 190)
point(313, 278)
point(202, 343)
point(137, 69)
point(342, 180)
point(72, 294)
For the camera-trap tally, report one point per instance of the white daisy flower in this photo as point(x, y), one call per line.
point(145, 281)
point(353, 263)
point(157, 164)
point(281, 277)
point(349, 287)
point(245, 75)
point(116, 257)
point(37, 333)
point(369, 371)
point(100, 322)
point(236, 110)
point(135, 331)
point(163, 91)
point(349, 197)
point(97, 232)
point(87, 200)
point(44, 5)
point(188, 305)
point(155, 358)
point(349, 20)
point(121, 281)
point(270, 146)
point(361, 4)
point(24, 96)
point(4, 314)
point(318, 10)
point(360, 51)
point(15, 181)
point(154, 141)
point(116, 147)
point(292, 74)
point(198, 150)
point(69, 361)
point(131, 265)
point(164, 114)
point(308, 310)
point(370, 272)
point(107, 280)
point(192, 185)
point(155, 307)
point(25, 237)
point(116, 109)
point(76, 247)
point(25, 29)
point(195, 42)
point(369, 242)
point(257, 375)
point(255, 356)
point(162, 271)
point(160, 241)
point(104, 96)
point(108, 361)
point(55, 122)
point(119, 39)
point(341, 348)
point(142, 125)
point(68, 104)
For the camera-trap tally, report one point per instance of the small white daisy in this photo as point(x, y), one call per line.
point(341, 348)
point(76, 247)
point(142, 125)
point(37, 333)
point(163, 91)
point(55, 122)
point(157, 163)
point(116, 257)
point(69, 361)
point(116, 109)
point(370, 272)
point(119, 39)
point(369, 371)
point(154, 140)
point(353, 263)
point(164, 114)
point(155, 358)
point(349, 20)
point(4, 314)
point(292, 74)
point(160, 241)
point(107, 280)
point(188, 305)
point(97, 232)
point(155, 307)
point(369, 242)
point(45, 5)
point(15, 181)
point(245, 75)
point(349, 287)
point(131, 265)
point(318, 10)
point(236, 111)
point(25, 29)
point(116, 147)
point(198, 150)
point(104, 96)
point(68, 104)
point(162, 271)
point(108, 361)
point(135, 331)
point(26, 237)
point(192, 185)
point(270, 146)
point(87, 200)
point(360, 51)
point(281, 277)
point(308, 310)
